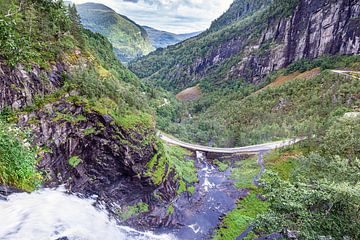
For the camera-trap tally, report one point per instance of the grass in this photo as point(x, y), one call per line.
point(282, 161)
point(244, 172)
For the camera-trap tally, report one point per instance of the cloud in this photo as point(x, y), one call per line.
point(178, 16)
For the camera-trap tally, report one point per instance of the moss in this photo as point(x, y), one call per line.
point(221, 165)
point(191, 189)
point(244, 172)
point(89, 131)
point(133, 210)
point(170, 210)
point(172, 159)
point(74, 161)
point(239, 219)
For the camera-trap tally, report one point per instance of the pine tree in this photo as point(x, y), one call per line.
point(76, 27)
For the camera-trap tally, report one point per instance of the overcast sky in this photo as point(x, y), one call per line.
point(178, 16)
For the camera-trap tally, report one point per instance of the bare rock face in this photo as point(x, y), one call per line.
point(316, 28)
point(18, 87)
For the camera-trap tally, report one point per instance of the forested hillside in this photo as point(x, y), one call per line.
point(129, 39)
point(260, 41)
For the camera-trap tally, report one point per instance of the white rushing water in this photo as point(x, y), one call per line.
point(50, 214)
point(206, 170)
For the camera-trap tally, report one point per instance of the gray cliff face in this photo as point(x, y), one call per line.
point(316, 28)
point(18, 87)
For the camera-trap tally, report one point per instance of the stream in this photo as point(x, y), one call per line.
point(215, 195)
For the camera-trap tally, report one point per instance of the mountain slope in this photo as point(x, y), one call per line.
point(239, 9)
point(162, 39)
point(129, 39)
point(254, 45)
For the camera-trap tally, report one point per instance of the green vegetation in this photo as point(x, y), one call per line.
point(170, 209)
point(311, 189)
point(172, 159)
point(17, 159)
point(246, 211)
point(238, 9)
point(133, 210)
point(244, 117)
point(239, 219)
point(129, 39)
point(35, 32)
point(244, 172)
point(74, 161)
point(223, 166)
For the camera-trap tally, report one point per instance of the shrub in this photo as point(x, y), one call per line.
point(17, 159)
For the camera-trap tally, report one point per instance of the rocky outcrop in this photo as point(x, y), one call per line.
point(18, 86)
point(90, 154)
point(85, 150)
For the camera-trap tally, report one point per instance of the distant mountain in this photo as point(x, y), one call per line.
point(162, 39)
point(129, 39)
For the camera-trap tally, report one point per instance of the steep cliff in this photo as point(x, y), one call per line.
point(257, 43)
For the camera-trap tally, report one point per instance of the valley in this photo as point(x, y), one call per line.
point(247, 130)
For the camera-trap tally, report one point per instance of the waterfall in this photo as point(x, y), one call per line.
point(51, 214)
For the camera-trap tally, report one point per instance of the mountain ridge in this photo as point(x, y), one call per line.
point(129, 39)
point(162, 39)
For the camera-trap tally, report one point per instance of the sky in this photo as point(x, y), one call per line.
point(177, 16)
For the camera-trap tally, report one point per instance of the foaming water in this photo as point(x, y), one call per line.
point(51, 214)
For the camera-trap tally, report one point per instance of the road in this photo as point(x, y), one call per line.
point(247, 149)
point(347, 73)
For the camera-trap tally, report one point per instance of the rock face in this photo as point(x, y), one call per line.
point(316, 28)
point(18, 87)
point(250, 47)
point(92, 155)
point(85, 150)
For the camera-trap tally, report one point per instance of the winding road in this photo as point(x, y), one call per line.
point(247, 149)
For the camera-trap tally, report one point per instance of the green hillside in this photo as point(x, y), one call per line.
point(162, 39)
point(129, 39)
